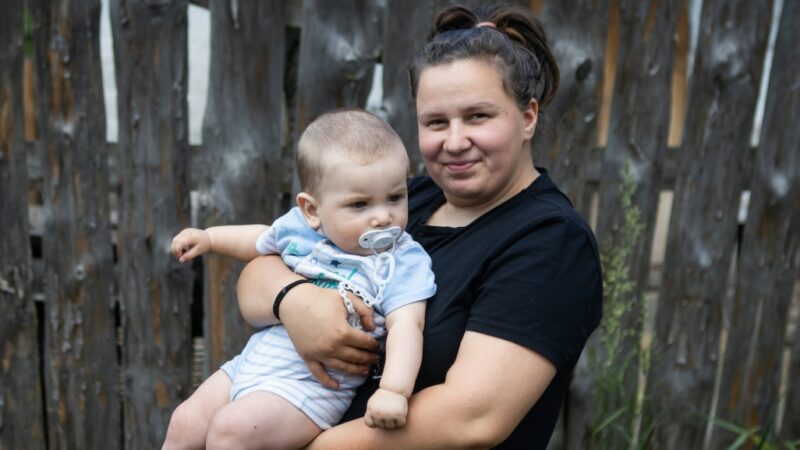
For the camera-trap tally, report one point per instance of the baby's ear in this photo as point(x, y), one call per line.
point(309, 207)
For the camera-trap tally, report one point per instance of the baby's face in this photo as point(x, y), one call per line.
point(358, 197)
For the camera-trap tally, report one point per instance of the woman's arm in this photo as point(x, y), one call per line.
point(491, 386)
point(315, 318)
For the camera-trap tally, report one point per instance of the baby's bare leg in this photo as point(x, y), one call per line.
point(189, 423)
point(260, 420)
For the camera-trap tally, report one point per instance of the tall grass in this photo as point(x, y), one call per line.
point(616, 417)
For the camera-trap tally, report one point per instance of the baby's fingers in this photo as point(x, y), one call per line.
point(184, 247)
point(189, 254)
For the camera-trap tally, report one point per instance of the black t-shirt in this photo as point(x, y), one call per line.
point(527, 271)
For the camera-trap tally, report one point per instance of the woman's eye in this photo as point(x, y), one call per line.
point(436, 123)
point(477, 116)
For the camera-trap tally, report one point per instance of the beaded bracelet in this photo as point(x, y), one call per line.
point(279, 298)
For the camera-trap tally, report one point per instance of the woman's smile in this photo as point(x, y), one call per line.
point(456, 167)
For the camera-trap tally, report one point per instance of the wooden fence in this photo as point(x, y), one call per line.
point(98, 324)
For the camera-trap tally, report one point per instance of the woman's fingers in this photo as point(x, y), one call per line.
point(364, 312)
point(318, 370)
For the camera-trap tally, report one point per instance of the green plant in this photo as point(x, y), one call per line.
point(759, 437)
point(617, 403)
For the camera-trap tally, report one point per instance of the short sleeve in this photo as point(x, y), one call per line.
point(288, 234)
point(267, 242)
point(544, 292)
point(413, 278)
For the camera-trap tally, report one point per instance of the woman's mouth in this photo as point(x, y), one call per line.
point(459, 166)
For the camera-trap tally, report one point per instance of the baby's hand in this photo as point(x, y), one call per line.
point(190, 243)
point(386, 409)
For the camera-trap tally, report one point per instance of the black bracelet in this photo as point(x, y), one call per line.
point(279, 298)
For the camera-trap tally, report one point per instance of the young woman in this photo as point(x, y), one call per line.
point(517, 269)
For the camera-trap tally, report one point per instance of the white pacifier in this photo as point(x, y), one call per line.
point(379, 240)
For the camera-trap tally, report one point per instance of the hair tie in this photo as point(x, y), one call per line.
point(486, 24)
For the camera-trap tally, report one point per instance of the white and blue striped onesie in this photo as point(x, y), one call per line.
point(269, 361)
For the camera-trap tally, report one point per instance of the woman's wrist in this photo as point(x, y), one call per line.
point(276, 305)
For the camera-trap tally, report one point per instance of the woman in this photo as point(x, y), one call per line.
point(517, 268)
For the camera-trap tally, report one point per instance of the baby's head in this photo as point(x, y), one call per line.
point(353, 169)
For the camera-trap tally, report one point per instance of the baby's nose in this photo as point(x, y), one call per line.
point(382, 219)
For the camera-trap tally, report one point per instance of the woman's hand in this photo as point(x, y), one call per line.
point(315, 319)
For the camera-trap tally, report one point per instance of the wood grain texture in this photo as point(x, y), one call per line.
point(703, 227)
point(568, 126)
point(767, 269)
point(155, 290)
point(21, 415)
point(339, 46)
point(81, 367)
point(241, 151)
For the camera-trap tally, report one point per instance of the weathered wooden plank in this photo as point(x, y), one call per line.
point(242, 150)
point(791, 422)
point(21, 415)
point(564, 139)
point(567, 133)
point(702, 235)
point(636, 143)
point(404, 34)
point(81, 367)
point(637, 140)
point(339, 46)
point(155, 291)
point(767, 270)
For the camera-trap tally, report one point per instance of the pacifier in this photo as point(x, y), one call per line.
point(379, 240)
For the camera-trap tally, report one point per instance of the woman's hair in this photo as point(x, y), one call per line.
point(344, 133)
point(508, 37)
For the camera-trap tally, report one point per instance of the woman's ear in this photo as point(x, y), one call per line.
point(310, 208)
point(530, 117)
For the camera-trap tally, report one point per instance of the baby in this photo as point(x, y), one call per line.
point(347, 233)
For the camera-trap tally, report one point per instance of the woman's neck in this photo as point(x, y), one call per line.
point(458, 213)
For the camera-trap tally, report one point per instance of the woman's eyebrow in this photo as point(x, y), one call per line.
point(480, 105)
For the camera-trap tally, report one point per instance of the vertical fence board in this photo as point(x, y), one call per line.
point(723, 93)
point(151, 65)
point(637, 139)
point(636, 142)
point(21, 415)
point(767, 271)
point(242, 150)
point(564, 137)
point(568, 127)
point(81, 374)
point(405, 32)
point(339, 46)
point(791, 421)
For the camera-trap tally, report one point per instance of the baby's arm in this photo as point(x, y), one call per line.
point(237, 241)
point(388, 406)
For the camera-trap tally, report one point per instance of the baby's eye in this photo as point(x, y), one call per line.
point(359, 205)
point(396, 198)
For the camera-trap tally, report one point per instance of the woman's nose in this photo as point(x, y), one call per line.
point(456, 140)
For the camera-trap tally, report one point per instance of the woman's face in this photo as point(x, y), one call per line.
point(473, 137)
